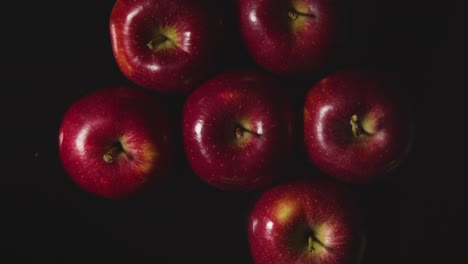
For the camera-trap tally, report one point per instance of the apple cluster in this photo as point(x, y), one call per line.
point(356, 129)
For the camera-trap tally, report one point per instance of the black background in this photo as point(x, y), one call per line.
point(53, 52)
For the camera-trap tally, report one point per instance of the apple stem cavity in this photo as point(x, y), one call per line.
point(114, 151)
point(311, 240)
point(241, 130)
point(294, 14)
point(358, 128)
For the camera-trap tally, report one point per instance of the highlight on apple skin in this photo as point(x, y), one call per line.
point(238, 130)
point(168, 46)
point(310, 220)
point(358, 125)
point(116, 142)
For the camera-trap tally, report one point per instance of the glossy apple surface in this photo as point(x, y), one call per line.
point(115, 142)
point(238, 130)
point(358, 127)
point(167, 46)
point(307, 221)
point(291, 37)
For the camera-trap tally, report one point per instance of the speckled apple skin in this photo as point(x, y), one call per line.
point(286, 47)
point(374, 97)
point(251, 99)
point(178, 70)
point(106, 116)
point(284, 216)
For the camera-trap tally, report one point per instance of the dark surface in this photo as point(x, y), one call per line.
point(54, 52)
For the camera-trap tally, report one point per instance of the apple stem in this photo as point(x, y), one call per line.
point(160, 38)
point(355, 127)
point(240, 132)
point(157, 42)
point(112, 152)
point(294, 14)
point(310, 241)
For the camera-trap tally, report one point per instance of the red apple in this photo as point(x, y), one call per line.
point(167, 46)
point(115, 142)
point(238, 130)
point(291, 37)
point(358, 126)
point(312, 221)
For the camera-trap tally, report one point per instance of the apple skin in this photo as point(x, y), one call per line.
point(310, 220)
point(168, 46)
point(287, 43)
point(116, 142)
point(238, 130)
point(385, 122)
